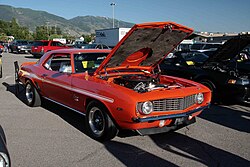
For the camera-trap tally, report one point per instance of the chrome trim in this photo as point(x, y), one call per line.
point(65, 106)
point(156, 118)
point(171, 104)
point(76, 90)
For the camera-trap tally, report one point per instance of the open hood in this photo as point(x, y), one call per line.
point(230, 48)
point(145, 45)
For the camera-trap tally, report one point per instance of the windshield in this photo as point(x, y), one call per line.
point(195, 57)
point(40, 43)
point(88, 61)
point(22, 42)
point(92, 46)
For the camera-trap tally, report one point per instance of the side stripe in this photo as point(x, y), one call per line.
point(73, 89)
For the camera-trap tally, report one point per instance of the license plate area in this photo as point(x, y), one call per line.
point(180, 121)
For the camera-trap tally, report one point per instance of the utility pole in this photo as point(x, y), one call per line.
point(113, 6)
point(47, 29)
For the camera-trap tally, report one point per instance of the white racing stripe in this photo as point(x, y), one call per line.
point(77, 90)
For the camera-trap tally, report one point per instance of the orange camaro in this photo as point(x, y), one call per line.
point(122, 88)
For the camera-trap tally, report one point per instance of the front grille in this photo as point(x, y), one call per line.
point(173, 104)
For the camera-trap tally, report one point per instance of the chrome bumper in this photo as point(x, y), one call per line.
point(164, 117)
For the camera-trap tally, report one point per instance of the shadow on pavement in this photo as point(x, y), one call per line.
point(133, 156)
point(71, 117)
point(228, 117)
point(12, 88)
point(74, 119)
point(173, 142)
point(31, 57)
point(196, 150)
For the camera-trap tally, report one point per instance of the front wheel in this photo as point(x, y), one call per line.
point(211, 86)
point(99, 125)
point(33, 98)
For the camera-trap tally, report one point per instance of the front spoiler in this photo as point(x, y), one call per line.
point(164, 117)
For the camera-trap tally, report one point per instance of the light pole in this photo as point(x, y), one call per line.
point(113, 6)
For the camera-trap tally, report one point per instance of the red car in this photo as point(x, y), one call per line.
point(43, 46)
point(124, 90)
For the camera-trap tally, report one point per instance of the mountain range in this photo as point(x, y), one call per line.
point(76, 26)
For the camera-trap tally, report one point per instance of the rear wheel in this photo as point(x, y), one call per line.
point(33, 98)
point(99, 125)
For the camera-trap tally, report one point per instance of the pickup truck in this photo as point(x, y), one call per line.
point(43, 46)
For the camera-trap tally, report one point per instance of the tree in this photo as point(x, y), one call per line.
point(13, 29)
point(41, 33)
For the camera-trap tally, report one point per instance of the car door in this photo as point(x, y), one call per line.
point(85, 65)
point(56, 78)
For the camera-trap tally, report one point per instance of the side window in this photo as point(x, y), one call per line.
point(59, 44)
point(53, 43)
point(99, 47)
point(105, 47)
point(59, 63)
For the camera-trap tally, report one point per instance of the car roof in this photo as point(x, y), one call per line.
point(73, 51)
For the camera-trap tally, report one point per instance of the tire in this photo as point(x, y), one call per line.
point(98, 123)
point(1, 71)
point(33, 98)
point(211, 86)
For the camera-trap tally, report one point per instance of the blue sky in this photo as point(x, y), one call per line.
point(202, 15)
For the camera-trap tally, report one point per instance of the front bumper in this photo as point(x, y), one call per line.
point(23, 50)
point(171, 127)
point(241, 93)
point(164, 117)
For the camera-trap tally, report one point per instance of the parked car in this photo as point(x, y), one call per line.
point(1, 49)
point(4, 154)
point(222, 71)
point(40, 47)
point(80, 44)
point(119, 91)
point(96, 46)
point(19, 46)
point(204, 46)
point(1, 67)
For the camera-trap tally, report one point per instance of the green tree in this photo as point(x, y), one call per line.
point(41, 33)
point(13, 29)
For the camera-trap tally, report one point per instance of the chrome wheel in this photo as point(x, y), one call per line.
point(96, 121)
point(29, 93)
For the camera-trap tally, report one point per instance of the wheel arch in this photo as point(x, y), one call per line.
point(90, 99)
point(205, 77)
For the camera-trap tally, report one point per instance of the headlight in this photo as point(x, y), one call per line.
point(238, 81)
point(18, 46)
point(145, 107)
point(4, 160)
point(199, 98)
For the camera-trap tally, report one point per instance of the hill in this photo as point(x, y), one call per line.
point(75, 26)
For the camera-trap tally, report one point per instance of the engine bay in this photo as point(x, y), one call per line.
point(143, 83)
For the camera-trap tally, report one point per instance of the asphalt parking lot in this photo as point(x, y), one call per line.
point(54, 136)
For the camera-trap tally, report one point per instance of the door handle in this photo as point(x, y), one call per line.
point(76, 98)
